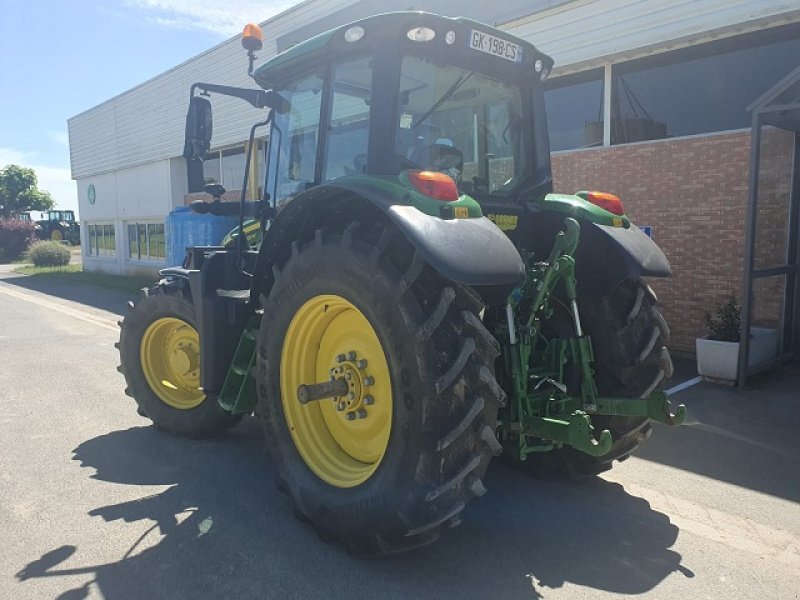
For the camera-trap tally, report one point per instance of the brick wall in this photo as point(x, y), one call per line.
point(693, 191)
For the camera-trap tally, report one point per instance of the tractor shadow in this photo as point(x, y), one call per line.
point(111, 300)
point(221, 530)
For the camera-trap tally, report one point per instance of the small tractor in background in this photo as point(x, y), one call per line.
point(58, 226)
point(419, 301)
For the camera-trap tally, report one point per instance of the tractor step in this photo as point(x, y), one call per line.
point(238, 394)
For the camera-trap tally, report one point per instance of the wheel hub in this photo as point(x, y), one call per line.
point(170, 359)
point(341, 425)
point(353, 370)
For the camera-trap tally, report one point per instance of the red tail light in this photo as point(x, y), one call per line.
point(433, 184)
point(609, 202)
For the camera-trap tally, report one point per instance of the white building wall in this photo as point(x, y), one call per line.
point(140, 193)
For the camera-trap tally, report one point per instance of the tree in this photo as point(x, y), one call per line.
point(19, 191)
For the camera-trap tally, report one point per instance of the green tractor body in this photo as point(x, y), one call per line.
point(410, 298)
point(59, 225)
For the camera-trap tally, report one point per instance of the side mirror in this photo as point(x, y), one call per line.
point(199, 125)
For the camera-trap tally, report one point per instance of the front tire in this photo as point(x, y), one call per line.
point(393, 477)
point(159, 351)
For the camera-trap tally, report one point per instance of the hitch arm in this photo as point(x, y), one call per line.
point(575, 431)
point(656, 407)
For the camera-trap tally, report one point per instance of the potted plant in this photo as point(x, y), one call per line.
point(718, 352)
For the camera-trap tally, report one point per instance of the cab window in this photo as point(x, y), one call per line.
point(295, 138)
point(348, 132)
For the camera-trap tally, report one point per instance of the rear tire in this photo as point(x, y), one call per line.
point(165, 314)
point(629, 338)
point(442, 392)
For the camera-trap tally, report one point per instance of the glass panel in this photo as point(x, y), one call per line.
point(774, 189)
point(699, 89)
point(766, 315)
point(211, 167)
point(294, 151)
point(155, 233)
point(142, 241)
point(90, 245)
point(133, 242)
point(111, 239)
point(233, 161)
point(454, 121)
point(575, 110)
point(348, 133)
point(262, 162)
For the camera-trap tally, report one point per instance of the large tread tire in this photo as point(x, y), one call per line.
point(445, 396)
point(166, 299)
point(629, 338)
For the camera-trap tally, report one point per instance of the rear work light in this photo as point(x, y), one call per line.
point(607, 201)
point(434, 184)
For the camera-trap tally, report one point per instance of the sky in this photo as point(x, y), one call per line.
point(59, 58)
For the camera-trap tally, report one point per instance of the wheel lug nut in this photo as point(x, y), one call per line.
point(362, 364)
point(369, 380)
point(369, 400)
point(351, 356)
point(361, 413)
point(340, 358)
point(351, 416)
point(351, 395)
point(348, 376)
point(340, 406)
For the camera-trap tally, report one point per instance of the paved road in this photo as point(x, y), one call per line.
point(95, 503)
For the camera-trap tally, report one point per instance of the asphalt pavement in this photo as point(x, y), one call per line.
point(95, 503)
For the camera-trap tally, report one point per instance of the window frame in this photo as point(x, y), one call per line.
point(97, 246)
point(133, 239)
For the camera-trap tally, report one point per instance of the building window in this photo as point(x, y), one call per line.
point(102, 240)
point(574, 105)
point(700, 89)
point(146, 241)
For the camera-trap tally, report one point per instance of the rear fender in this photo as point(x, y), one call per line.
point(470, 251)
point(608, 255)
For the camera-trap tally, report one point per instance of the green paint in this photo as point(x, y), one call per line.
point(543, 413)
point(238, 394)
point(572, 205)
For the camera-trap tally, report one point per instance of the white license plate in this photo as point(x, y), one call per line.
point(495, 46)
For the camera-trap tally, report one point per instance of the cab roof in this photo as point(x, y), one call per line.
point(378, 30)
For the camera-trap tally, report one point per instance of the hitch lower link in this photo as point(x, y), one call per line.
point(553, 416)
point(576, 429)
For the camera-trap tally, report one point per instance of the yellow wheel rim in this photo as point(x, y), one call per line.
point(56, 235)
point(170, 359)
point(342, 439)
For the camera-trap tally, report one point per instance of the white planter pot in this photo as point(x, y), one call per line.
point(717, 360)
point(720, 360)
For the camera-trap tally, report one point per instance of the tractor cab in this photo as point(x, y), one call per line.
point(66, 216)
point(410, 92)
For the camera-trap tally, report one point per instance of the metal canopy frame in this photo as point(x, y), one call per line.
point(779, 107)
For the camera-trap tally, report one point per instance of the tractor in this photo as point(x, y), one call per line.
point(420, 300)
point(59, 225)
